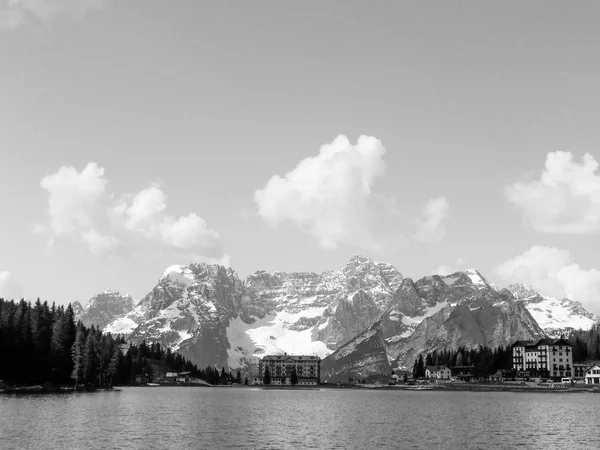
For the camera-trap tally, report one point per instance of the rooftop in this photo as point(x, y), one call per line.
point(286, 357)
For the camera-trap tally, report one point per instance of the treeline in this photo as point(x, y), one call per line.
point(212, 375)
point(485, 360)
point(43, 344)
point(586, 344)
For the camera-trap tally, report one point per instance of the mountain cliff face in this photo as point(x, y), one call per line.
point(555, 316)
point(212, 317)
point(363, 319)
point(462, 309)
point(103, 308)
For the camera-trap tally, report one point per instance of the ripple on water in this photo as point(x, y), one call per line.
point(179, 418)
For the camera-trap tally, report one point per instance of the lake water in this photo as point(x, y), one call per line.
point(194, 418)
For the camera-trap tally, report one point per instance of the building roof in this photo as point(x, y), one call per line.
point(522, 343)
point(592, 367)
point(545, 341)
point(286, 357)
point(436, 368)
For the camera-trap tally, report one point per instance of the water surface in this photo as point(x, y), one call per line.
point(190, 418)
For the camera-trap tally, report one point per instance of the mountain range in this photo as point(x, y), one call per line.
point(363, 319)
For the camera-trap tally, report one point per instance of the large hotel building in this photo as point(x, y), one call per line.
point(308, 369)
point(546, 358)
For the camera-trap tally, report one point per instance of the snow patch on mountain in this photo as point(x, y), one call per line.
point(122, 325)
point(178, 274)
point(275, 336)
point(554, 316)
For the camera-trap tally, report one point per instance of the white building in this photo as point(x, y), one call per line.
point(438, 372)
point(546, 358)
point(281, 369)
point(592, 375)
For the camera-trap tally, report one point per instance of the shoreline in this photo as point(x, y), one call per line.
point(38, 389)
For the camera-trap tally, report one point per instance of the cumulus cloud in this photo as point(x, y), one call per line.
point(97, 243)
point(145, 207)
point(331, 196)
point(554, 272)
point(10, 289)
point(80, 207)
point(431, 227)
point(16, 12)
point(565, 199)
point(448, 269)
point(74, 197)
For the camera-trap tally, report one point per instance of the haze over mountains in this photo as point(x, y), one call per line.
point(364, 318)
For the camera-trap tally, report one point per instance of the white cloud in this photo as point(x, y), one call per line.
point(431, 228)
point(81, 208)
point(10, 289)
point(188, 232)
point(448, 269)
point(73, 197)
point(145, 207)
point(554, 272)
point(16, 12)
point(565, 199)
point(99, 244)
point(331, 197)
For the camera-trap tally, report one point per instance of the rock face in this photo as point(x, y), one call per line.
point(212, 317)
point(363, 319)
point(104, 308)
point(77, 309)
point(436, 312)
point(556, 317)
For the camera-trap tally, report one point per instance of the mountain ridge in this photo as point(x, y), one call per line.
point(212, 316)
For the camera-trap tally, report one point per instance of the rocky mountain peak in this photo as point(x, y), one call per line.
point(103, 308)
point(522, 290)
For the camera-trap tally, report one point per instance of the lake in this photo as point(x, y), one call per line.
point(190, 418)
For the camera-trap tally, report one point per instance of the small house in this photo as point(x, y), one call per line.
point(463, 373)
point(592, 375)
point(183, 377)
point(171, 377)
point(579, 371)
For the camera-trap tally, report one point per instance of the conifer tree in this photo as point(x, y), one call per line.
point(77, 353)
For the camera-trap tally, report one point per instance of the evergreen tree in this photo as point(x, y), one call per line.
point(419, 367)
point(238, 378)
point(428, 360)
point(294, 378)
point(78, 353)
point(113, 366)
point(90, 359)
point(267, 376)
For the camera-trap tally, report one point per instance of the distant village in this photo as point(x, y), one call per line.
point(547, 362)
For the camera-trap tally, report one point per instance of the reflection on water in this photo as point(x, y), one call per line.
point(189, 418)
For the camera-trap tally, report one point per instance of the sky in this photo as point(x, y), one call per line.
point(290, 136)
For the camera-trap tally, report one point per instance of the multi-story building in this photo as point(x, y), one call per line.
point(546, 358)
point(281, 368)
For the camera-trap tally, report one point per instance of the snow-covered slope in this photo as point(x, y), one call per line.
point(212, 317)
point(555, 316)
